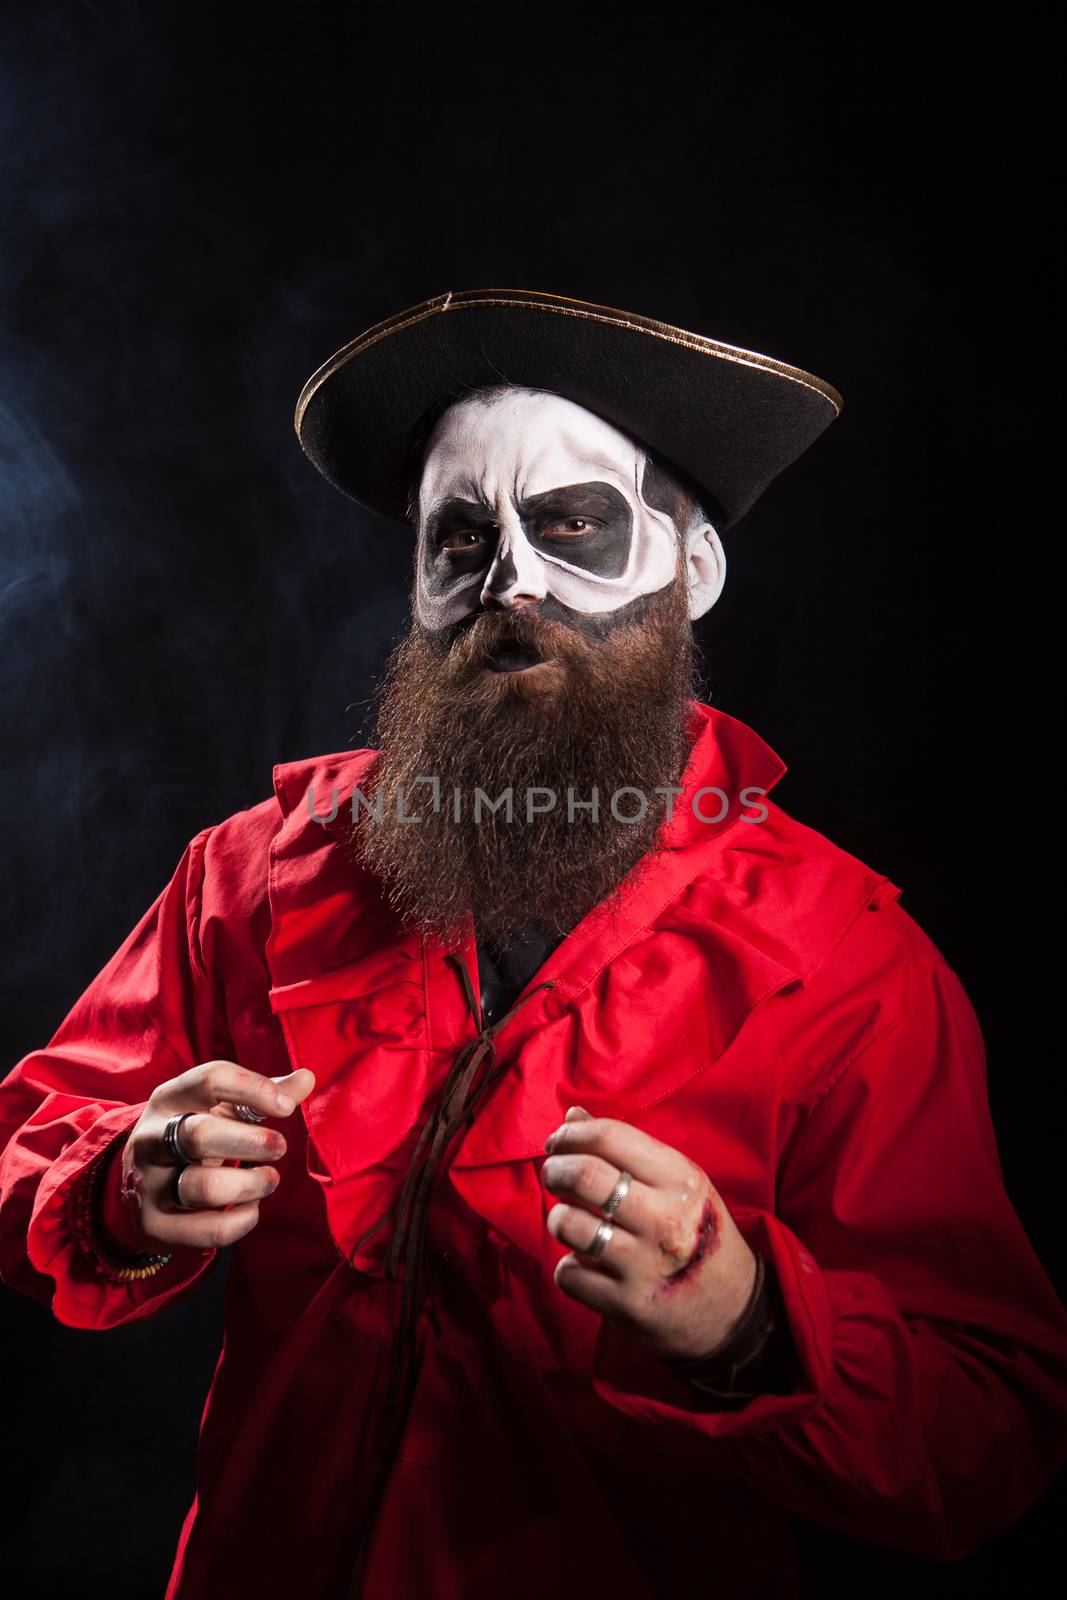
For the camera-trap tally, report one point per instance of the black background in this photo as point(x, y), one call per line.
point(200, 205)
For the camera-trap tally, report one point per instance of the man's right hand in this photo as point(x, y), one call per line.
point(224, 1200)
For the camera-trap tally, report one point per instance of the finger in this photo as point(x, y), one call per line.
point(589, 1180)
point(577, 1229)
point(297, 1085)
point(630, 1149)
point(205, 1086)
point(210, 1188)
point(594, 1289)
point(204, 1136)
point(202, 1230)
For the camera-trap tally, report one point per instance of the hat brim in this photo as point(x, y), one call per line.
point(731, 419)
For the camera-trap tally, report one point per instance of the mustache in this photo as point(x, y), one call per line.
point(528, 629)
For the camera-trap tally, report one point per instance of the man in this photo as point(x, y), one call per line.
point(643, 1192)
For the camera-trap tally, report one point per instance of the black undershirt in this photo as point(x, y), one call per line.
point(504, 970)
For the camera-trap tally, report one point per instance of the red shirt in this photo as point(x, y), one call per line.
point(760, 1001)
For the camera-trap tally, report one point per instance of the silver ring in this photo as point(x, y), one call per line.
point(600, 1240)
point(175, 1187)
point(246, 1114)
point(617, 1195)
point(172, 1137)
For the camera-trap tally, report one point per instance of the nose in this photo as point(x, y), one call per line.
point(510, 602)
point(516, 577)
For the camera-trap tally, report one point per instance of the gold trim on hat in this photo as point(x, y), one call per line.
point(458, 300)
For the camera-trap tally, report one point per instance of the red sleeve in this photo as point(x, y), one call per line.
point(113, 1222)
point(150, 1014)
point(930, 1412)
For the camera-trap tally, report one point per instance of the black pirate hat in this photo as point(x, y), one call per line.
point(729, 419)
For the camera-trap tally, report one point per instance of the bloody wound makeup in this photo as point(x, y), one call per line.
point(707, 1242)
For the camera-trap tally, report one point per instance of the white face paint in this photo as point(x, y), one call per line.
point(525, 493)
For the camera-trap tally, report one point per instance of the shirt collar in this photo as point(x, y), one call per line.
point(728, 770)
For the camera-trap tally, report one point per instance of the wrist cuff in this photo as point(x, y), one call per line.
point(731, 1371)
point(88, 1231)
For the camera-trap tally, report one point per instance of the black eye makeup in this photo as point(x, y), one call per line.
point(589, 525)
point(460, 541)
point(454, 516)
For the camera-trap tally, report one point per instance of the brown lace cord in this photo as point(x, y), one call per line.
point(457, 1104)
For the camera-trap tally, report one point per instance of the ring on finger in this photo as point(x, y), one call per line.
point(617, 1195)
point(175, 1187)
point(246, 1114)
point(172, 1137)
point(599, 1242)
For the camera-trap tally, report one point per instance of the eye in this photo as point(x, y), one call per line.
point(567, 527)
point(461, 539)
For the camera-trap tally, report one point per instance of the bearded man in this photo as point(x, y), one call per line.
point(644, 1194)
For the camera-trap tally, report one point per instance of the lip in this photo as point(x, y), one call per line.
point(514, 660)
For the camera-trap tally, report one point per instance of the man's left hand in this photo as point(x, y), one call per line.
point(676, 1274)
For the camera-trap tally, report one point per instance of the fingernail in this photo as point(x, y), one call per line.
point(284, 1103)
point(550, 1141)
point(574, 1112)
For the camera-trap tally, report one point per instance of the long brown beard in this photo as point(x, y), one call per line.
point(609, 712)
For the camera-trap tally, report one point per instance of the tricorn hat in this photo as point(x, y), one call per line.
point(730, 419)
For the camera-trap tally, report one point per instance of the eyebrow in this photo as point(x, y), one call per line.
point(597, 498)
point(455, 509)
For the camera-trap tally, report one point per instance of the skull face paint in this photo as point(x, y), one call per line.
point(525, 493)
